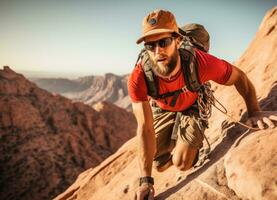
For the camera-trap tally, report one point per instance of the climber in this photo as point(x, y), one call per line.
point(168, 87)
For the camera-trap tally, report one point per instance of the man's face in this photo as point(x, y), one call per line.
point(163, 52)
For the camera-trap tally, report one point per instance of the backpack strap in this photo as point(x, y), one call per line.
point(190, 67)
point(152, 82)
point(190, 72)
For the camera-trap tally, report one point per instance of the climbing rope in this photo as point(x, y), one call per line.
point(205, 102)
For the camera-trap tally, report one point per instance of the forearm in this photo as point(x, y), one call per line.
point(247, 91)
point(145, 149)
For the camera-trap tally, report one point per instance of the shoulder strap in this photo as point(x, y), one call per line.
point(190, 67)
point(152, 81)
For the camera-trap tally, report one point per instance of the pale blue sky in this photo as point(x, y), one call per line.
point(85, 37)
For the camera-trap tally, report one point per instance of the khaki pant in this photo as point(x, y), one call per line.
point(190, 130)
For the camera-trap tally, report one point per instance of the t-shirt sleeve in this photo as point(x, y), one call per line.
point(136, 85)
point(212, 68)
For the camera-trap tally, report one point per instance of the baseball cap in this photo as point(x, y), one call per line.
point(156, 22)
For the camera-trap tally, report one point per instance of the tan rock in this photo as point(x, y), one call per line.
point(251, 167)
point(46, 140)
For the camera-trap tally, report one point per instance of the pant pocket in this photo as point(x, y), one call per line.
point(191, 132)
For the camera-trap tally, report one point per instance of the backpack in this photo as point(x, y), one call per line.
point(194, 36)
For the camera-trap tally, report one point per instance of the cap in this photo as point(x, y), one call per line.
point(156, 22)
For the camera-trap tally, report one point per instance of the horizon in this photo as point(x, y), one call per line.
point(86, 38)
point(58, 75)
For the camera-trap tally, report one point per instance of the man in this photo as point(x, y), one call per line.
point(162, 39)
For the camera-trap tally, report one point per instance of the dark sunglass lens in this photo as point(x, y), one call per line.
point(168, 41)
point(165, 42)
point(162, 43)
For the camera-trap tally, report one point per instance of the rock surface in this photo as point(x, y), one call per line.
point(251, 167)
point(46, 140)
point(237, 161)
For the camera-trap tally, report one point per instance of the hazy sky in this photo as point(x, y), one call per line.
point(95, 37)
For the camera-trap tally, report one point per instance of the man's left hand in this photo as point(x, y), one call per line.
point(263, 119)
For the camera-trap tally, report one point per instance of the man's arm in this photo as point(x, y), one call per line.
point(247, 91)
point(245, 88)
point(146, 143)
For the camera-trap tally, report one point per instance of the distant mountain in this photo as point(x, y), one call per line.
point(46, 140)
point(50, 74)
point(90, 89)
point(61, 85)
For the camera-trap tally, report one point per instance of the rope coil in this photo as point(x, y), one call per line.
point(205, 102)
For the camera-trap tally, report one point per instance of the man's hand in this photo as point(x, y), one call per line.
point(145, 192)
point(263, 119)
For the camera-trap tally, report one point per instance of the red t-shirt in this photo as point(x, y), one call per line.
point(209, 68)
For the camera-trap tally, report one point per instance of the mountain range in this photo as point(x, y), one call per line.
point(46, 140)
point(90, 89)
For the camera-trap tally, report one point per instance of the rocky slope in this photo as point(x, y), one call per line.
point(242, 164)
point(90, 89)
point(46, 140)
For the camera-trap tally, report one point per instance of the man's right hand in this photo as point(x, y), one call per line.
point(145, 192)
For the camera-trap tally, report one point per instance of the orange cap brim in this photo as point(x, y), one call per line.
point(154, 32)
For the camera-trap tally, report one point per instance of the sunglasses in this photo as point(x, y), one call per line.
point(165, 42)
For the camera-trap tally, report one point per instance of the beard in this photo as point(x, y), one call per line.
point(164, 69)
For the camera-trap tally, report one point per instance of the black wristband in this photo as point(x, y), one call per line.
point(146, 179)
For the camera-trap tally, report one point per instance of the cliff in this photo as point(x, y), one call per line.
point(46, 140)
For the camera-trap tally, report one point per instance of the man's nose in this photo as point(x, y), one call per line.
point(158, 49)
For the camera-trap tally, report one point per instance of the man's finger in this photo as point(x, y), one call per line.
point(151, 195)
point(268, 122)
point(140, 196)
point(273, 117)
point(249, 122)
point(145, 195)
point(260, 124)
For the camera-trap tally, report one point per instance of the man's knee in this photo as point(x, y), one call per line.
point(182, 163)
